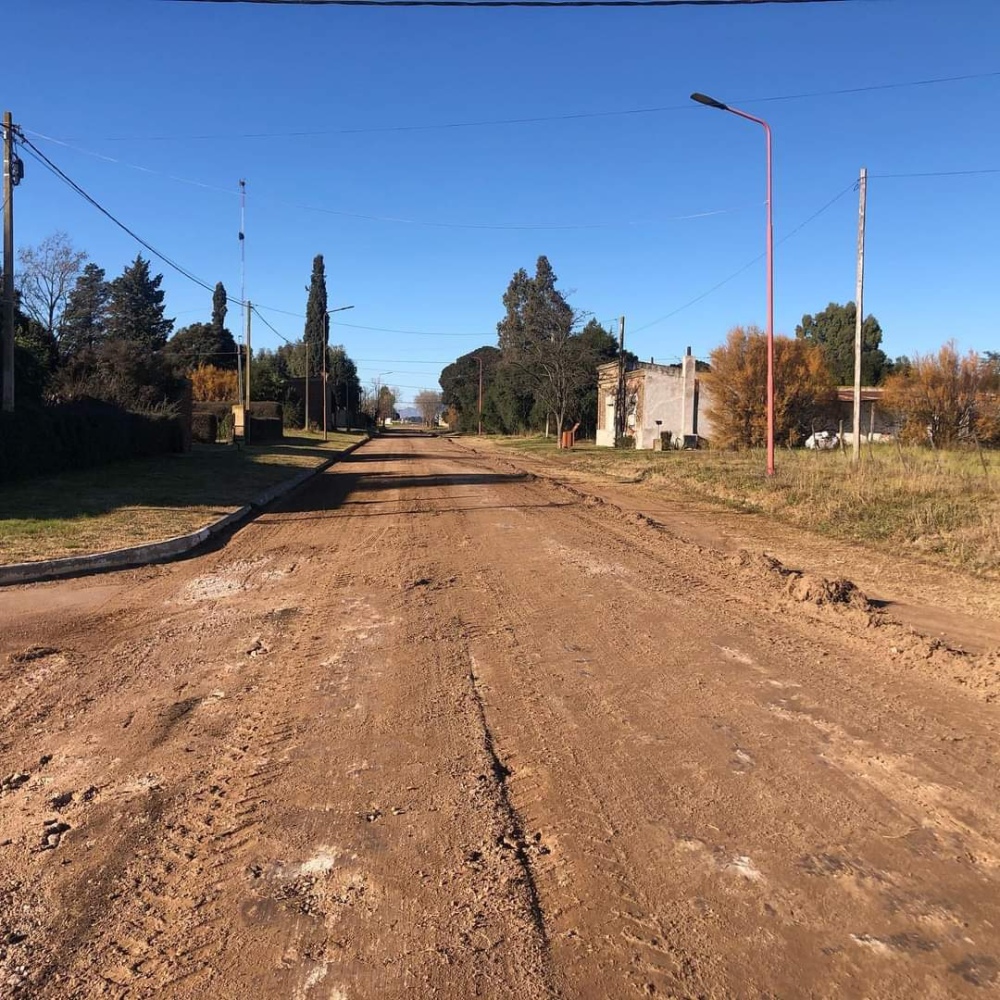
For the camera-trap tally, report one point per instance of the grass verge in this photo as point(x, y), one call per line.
point(130, 503)
point(940, 506)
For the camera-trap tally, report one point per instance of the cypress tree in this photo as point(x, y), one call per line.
point(316, 330)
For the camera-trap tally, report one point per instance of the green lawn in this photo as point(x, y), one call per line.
point(129, 503)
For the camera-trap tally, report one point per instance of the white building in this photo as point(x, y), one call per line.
point(658, 399)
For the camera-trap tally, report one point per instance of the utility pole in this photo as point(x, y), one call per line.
point(480, 360)
point(860, 315)
point(249, 356)
point(620, 389)
point(8, 263)
point(326, 350)
point(305, 419)
point(243, 285)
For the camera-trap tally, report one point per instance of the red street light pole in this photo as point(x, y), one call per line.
point(712, 103)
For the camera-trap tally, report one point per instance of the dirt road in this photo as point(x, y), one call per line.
point(430, 728)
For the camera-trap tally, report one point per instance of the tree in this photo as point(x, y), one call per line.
point(459, 383)
point(220, 306)
point(342, 375)
point(35, 355)
point(135, 309)
point(833, 329)
point(123, 372)
point(210, 384)
point(536, 335)
point(84, 320)
point(600, 346)
point(804, 390)
point(47, 274)
point(202, 344)
point(268, 376)
point(428, 403)
point(946, 398)
point(317, 331)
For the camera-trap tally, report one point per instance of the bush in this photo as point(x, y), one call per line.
point(267, 410)
point(265, 430)
point(205, 428)
point(45, 439)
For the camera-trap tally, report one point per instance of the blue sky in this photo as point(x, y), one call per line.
point(138, 81)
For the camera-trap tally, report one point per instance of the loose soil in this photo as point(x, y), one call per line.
point(433, 726)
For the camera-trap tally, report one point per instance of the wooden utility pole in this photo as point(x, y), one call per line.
point(305, 420)
point(480, 360)
point(620, 388)
point(8, 263)
point(249, 355)
point(326, 351)
point(860, 316)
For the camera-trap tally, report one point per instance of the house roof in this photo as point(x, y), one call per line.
point(869, 393)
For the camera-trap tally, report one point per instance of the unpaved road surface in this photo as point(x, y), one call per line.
point(430, 728)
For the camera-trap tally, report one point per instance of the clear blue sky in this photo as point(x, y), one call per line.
point(107, 75)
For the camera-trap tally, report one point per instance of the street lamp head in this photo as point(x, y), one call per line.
point(709, 101)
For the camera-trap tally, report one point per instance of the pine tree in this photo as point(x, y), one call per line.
point(219, 308)
point(135, 310)
point(84, 319)
point(317, 329)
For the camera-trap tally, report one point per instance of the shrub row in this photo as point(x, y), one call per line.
point(35, 440)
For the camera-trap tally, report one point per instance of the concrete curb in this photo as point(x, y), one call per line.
point(171, 548)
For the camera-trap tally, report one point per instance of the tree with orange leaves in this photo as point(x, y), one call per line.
point(946, 398)
point(213, 385)
point(804, 390)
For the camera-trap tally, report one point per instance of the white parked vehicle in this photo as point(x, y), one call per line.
point(822, 441)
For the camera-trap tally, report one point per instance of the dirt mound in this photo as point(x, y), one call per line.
point(804, 587)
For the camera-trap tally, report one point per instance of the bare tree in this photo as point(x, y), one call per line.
point(428, 403)
point(48, 272)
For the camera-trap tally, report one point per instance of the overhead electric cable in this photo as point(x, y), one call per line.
point(35, 152)
point(539, 119)
point(522, 3)
point(746, 267)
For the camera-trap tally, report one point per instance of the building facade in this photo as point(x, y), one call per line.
point(659, 399)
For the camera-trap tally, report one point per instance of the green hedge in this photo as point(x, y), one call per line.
point(36, 440)
point(205, 428)
point(265, 431)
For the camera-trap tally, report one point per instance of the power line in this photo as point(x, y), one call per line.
point(521, 3)
point(939, 173)
point(539, 119)
point(512, 227)
point(748, 265)
point(35, 152)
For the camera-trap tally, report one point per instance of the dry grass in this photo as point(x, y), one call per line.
point(941, 506)
point(148, 500)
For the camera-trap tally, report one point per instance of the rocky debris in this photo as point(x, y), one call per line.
point(53, 833)
point(14, 781)
point(33, 653)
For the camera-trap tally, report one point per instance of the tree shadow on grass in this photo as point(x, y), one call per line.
point(218, 477)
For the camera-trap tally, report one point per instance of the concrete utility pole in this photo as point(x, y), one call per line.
point(249, 355)
point(860, 317)
point(8, 263)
